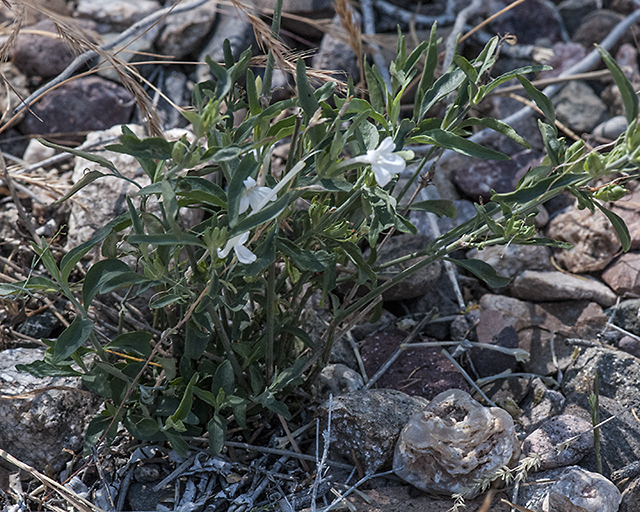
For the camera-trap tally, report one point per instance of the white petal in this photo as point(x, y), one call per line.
point(245, 201)
point(259, 197)
point(244, 255)
point(249, 183)
point(222, 253)
point(240, 239)
point(386, 146)
point(393, 163)
point(382, 175)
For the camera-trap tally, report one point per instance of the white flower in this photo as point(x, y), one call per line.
point(272, 194)
point(253, 196)
point(237, 244)
point(384, 162)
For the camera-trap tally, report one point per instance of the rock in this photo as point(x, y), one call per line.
point(39, 326)
point(548, 286)
point(579, 490)
point(595, 243)
point(565, 55)
point(465, 211)
point(367, 424)
point(147, 473)
point(493, 329)
point(338, 379)
point(516, 21)
point(335, 53)
point(574, 11)
point(422, 372)
point(419, 283)
point(182, 33)
point(630, 496)
point(547, 441)
point(41, 429)
point(120, 14)
point(481, 177)
point(132, 51)
point(628, 208)
point(535, 322)
point(625, 315)
point(176, 88)
point(298, 6)
point(536, 491)
point(453, 444)
point(508, 261)
point(142, 496)
point(596, 26)
point(82, 105)
point(43, 55)
point(99, 202)
point(36, 152)
point(540, 405)
point(630, 345)
point(230, 26)
point(623, 275)
point(610, 129)
point(578, 107)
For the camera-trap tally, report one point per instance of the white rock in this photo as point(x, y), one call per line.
point(122, 13)
point(579, 490)
point(454, 443)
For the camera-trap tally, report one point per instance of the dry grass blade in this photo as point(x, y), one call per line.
point(20, 19)
point(350, 23)
point(71, 497)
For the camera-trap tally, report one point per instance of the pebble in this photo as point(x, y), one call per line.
point(547, 441)
point(579, 107)
point(630, 345)
point(367, 424)
point(595, 242)
point(338, 379)
point(610, 129)
point(543, 286)
point(455, 443)
point(579, 490)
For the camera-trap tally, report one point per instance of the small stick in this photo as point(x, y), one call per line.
point(445, 352)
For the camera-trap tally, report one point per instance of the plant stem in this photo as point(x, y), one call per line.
point(271, 304)
point(275, 31)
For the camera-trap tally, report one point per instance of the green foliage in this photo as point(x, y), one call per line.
point(229, 292)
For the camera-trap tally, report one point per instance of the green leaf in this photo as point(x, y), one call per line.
point(105, 276)
point(497, 126)
point(177, 443)
point(107, 164)
point(143, 429)
point(187, 400)
point(136, 342)
point(415, 55)
point(448, 140)
point(88, 178)
point(43, 369)
point(541, 100)
point(629, 96)
point(40, 284)
point(266, 214)
point(150, 148)
point(426, 80)
point(441, 207)
point(71, 339)
point(217, 428)
point(442, 87)
point(376, 90)
point(619, 225)
point(245, 168)
point(547, 187)
point(252, 94)
point(166, 239)
point(222, 76)
point(467, 68)
point(552, 144)
point(482, 270)
point(223, 379)
point(195, 341)
point(308, 100)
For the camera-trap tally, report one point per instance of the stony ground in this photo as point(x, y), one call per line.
point(575, 311)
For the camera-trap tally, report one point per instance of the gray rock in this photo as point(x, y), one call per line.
point(133, 51)
point(147, 473)
point(419, 283)
point(82, 105)
point(454, 444)
point(630, 345)
point(175, 86)
point(36, 152)
point(493, 329)
point(597, 25)
point(338, 379)
point(629, 210)
point(517, 22)
point(39, 429)
point(533, 495)
point(623, 275)
point(579, 107)
point(630, 496)
point(182, 33)
point(540, 405)
point(335, 53)
point(579, 490)
point(574, 11)
point(117, 13)
point(626, 315)
point(368, 424)
point(548, 286)
point(548, 441)
point(39, 326)
point(511, 260)
point(535, 322)
point(595, 243)
point(610, 129)
point(298, 6)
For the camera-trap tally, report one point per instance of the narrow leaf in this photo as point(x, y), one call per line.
point(459, 144)
point(88, 178)
point(441, 207)
point(541, 100)
point(71, 339)
point(618, 225)
point(483, 271)
point(629, 96)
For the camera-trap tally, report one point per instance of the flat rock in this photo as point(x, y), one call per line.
point(595, 243)
point(82, 105)
point(578, 107)
point(117, 13)
point(182, 33)
point(421, 371)
point(493, 329)
point(553, 285)
point(623, 275)
point(547, 441)
point(38, 429)
point(419, 283)
point(367, 424)
point(534, 324)
point(513, 259)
